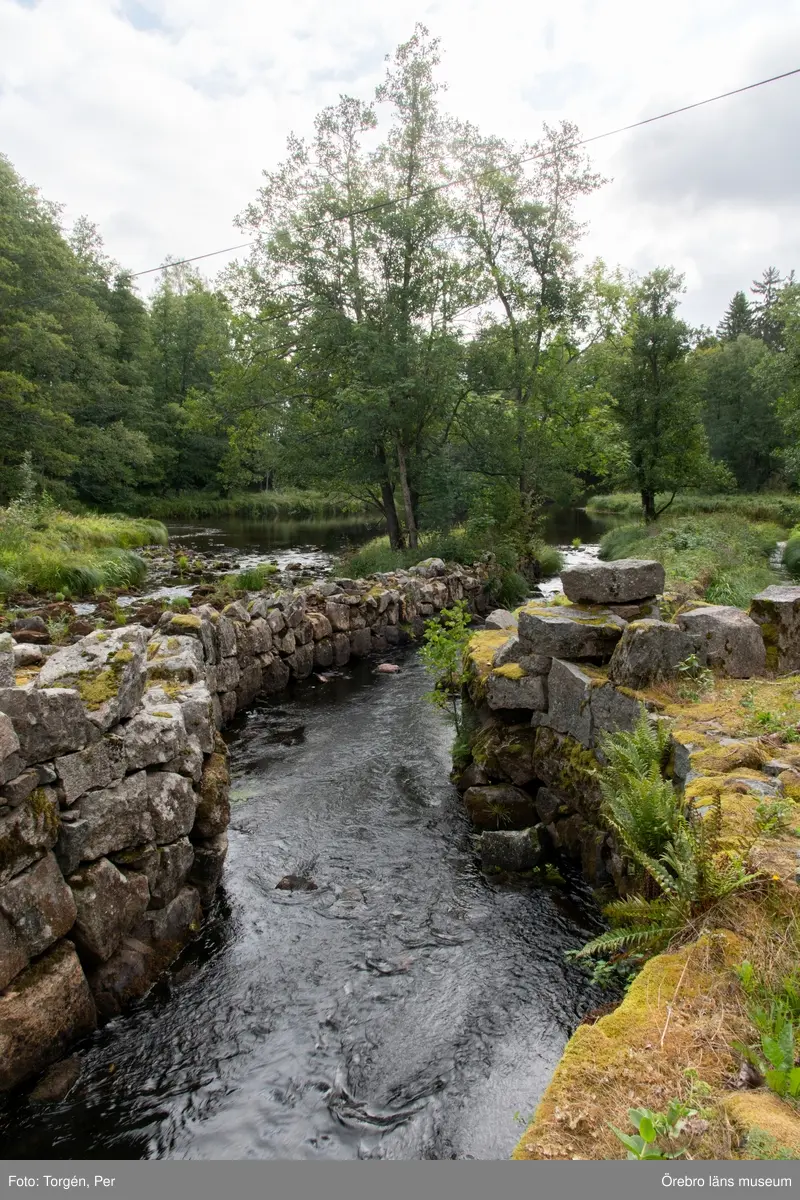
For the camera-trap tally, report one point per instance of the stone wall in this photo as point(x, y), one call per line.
point(547, 683)
point(114, 785)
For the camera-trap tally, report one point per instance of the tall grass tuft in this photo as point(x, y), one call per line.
point(43, 549)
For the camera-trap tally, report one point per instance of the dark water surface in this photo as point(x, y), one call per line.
point(407, 1008)
point(314, 542)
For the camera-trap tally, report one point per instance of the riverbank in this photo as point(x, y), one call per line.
point(277, 505)
point(114, 799)
point(46, 550)
point(696, 828)
point(781, 508)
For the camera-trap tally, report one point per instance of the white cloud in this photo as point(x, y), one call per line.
point(156, 117)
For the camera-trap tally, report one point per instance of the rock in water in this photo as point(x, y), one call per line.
point(58, 1082)
point(387, 668)
point(510, 849)
point(296, 883)
point(619, 582)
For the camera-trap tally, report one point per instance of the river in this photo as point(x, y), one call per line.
point(409, 1007)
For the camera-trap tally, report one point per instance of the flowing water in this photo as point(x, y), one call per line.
point(406, 1008)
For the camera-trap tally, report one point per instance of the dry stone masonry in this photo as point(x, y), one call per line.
point(114, 800)
point(547, 683)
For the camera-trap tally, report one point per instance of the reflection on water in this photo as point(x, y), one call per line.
point(306, 540)
point(406, 1008)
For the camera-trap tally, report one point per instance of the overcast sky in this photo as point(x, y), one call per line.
point(156, 117)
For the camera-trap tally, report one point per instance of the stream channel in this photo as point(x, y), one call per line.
point(409, 1007)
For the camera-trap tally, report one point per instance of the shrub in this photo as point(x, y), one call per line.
point(442, 652)
point(254, 579)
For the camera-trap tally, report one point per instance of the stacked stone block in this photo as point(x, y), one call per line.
point(567, 674)
point(114, 784)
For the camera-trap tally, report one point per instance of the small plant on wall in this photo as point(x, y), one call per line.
point(442, 652)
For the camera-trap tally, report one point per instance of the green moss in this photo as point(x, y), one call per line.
point(167, 716)
point(123, 656)
point(769, 634)
point(510, 671)
point(172, 688)
point(97, 688)
point(186, 621)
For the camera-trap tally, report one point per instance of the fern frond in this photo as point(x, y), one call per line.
point(636, 910)
point(615, 941)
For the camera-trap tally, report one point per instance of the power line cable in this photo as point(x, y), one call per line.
point(439, 187)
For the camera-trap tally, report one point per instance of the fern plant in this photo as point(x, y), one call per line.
point(678, 853)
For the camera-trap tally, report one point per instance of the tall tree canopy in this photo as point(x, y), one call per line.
point(415, 327)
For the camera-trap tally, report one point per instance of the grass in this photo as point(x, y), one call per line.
point(43, 549)
point(456, 546)
point(780, 508)
point(289, 503)
point(252, 579)
point(725, 556)
point(791, 553)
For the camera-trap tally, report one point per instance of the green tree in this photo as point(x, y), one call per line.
point(659, 404)
point(355, 275)
point(739, 400)
point(190, 337)
point(738, 319)
point(767, 291)
point(521, 239)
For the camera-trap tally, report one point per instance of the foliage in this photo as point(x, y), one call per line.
point(739, 398)
point(442, 652)
point(273, 505)
point(654, 1129)
point(253, 579)
point(701, 550)
point(775, 1013)
point(676, 851)
point(762, 1145)
point(440, 357)
point(694, 680)
point(658, 403)
point(772, 815)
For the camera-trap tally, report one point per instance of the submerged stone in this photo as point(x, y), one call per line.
point(510, 849)
point(46, 1008)
point(500, 806)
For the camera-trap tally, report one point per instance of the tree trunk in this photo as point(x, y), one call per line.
point(389, 507)
point(648, 504)
point(392, 520)
point(408, 504)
